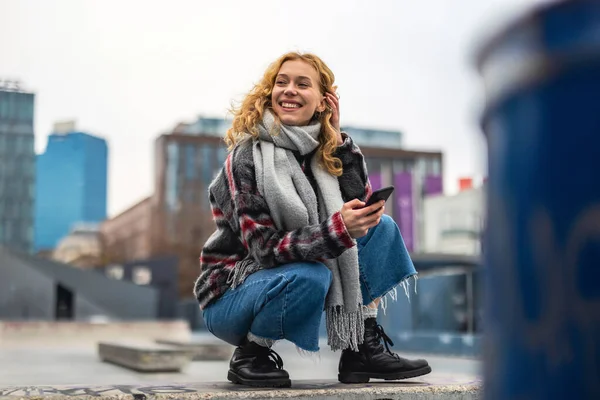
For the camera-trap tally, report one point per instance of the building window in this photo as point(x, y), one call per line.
point(373, 164)
point(25, 145)
point(115, 272)
point(221, 156)
point(11, 145)
point(190, 164)
point(171, 176)
point(4, 106)
point(25, 109)
point(142, 276)
point(29, 233)
point(399, 166)
point(433, 166)
point(206, 158)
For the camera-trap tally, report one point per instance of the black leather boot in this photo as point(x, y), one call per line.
point(258, 366)
point(372, 361)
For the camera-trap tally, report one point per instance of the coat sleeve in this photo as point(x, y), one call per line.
point(354, 182)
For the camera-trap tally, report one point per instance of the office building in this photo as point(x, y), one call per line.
point(71, 184)
point(454, 224)
point(17, 167)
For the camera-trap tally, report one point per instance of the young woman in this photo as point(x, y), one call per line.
point(294, 237)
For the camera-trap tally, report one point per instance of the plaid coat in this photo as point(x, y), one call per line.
point(246, 233)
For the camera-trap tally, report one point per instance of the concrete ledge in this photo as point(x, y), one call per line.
point(417, 389)
point(28, 333)
point(144, 357)
point(201, 350)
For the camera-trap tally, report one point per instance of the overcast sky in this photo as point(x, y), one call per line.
point(128, 70)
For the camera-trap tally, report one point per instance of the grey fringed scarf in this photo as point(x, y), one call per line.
point(284, 186)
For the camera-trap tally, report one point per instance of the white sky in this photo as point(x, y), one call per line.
point(128, 70)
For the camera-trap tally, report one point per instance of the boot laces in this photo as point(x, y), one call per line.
point(269, 356)
point(381, 335)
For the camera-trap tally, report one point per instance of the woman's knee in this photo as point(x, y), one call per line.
point(387, 221)
point(314, 278)
point(387, 225)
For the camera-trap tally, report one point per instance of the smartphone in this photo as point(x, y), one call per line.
point(381, 194)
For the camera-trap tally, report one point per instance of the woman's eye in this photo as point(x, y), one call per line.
point(280, 82)
point(303, 84)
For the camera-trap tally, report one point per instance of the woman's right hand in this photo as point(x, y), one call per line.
point(357, 219)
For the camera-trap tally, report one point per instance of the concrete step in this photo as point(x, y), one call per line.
point(27, 334)
point(423, 388)
point(144, 357)
point(202, 350)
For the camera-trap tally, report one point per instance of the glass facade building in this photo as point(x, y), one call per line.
point(17, 168)
point(190, 167)
point(71, 185)
point(374, 137)
point(204, 126)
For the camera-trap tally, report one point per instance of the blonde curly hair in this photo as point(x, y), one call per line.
point(250, 112)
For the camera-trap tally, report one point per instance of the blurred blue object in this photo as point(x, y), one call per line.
point(542, 123)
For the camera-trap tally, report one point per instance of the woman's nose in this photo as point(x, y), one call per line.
point(290, 91)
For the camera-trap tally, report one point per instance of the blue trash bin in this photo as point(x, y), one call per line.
point(542, 124)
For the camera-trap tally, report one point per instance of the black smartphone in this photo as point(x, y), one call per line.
point(381, 194)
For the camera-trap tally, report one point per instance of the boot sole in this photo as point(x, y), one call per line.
point(274, 383)
point(364, 377)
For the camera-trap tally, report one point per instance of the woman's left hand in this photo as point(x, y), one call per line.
point(334, 103)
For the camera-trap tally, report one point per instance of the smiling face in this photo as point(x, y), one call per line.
point(296, 93)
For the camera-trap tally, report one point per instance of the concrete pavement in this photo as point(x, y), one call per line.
point(77, 371)
point(409, 390)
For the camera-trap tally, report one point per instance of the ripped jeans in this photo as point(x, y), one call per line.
point(287, 302)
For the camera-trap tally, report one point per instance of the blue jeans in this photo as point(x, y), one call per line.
point(287, 302)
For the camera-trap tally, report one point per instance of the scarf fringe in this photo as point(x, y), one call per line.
point(238, 274)
point(344, 329)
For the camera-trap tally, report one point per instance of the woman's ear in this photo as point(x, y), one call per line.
point(322, 105)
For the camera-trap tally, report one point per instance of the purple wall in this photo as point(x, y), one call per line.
point(375, 179)
point(404, 210)
point(433, 185)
